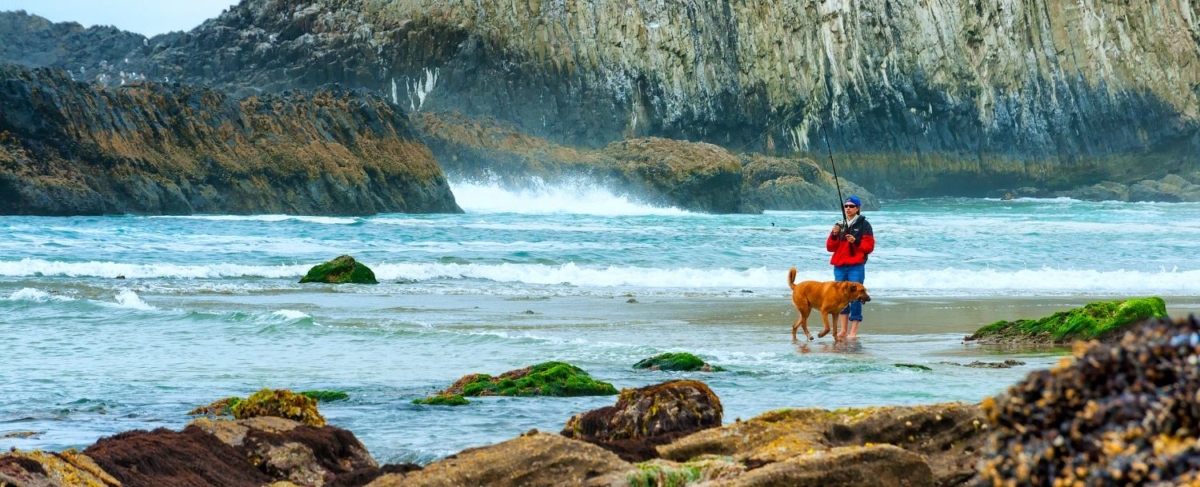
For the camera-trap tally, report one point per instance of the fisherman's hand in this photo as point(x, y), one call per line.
point(850, 238)
point(837, 228)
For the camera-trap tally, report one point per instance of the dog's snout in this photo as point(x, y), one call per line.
point(865, 297)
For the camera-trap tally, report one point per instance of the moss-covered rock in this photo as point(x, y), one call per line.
point(558, 379)
point(326, 396)
point(443, 400)
point(220, 407)
point(682, 361)
point(342, 270)
point(1102, 320)
point(280, 403)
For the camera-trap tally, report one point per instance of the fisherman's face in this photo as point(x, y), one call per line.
point(851, 210)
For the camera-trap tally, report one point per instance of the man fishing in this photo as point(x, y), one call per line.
point(850, 241)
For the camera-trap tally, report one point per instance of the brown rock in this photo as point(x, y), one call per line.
point(45, 469)
point(187, 458)
point(532, 460)
point(288, 450)
point(646, 417)
point(869, 466)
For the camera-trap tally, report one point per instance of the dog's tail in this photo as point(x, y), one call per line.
point(792, 278)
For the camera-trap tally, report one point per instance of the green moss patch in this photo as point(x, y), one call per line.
point(1100, 320)
point(558, 379)
point(342, 270)
point(326, 396)
point(443, 400)
point(682, 361)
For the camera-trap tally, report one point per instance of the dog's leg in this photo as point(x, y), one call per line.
point(804, 323)
point(825, 321)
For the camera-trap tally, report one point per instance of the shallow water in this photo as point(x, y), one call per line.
point(210, 307)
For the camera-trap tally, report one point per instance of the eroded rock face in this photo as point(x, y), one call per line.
point(649, 416)
point(67, 148)
point(915, 99)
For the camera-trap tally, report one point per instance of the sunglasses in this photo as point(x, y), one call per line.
point(849, 206)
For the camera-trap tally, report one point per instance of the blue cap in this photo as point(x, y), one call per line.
point(854, 199)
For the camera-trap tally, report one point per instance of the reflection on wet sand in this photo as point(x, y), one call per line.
point(849, 345)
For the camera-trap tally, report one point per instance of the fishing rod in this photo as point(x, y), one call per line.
point(837, 183)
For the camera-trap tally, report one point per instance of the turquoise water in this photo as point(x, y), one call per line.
point(209, 306)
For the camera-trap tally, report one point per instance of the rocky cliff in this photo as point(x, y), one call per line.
point(69, 148)
point(916, 98)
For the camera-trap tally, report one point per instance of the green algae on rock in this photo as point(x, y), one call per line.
point(681, 361)
point(1102, 320)
point(443, 400)
point(326, 396)
point(342, 270)
point(558, 379)
point(280, 403)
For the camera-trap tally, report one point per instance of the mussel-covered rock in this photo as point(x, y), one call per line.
point(342, 270)
point(1103, 320)
point(1120, 414)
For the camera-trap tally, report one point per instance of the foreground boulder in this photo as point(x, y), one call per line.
point(1120, 414)
point(288, 450)
point(342, 270)
point(191, 457)
point(44, 469)
point(948, 436)
point(535, 459)
point(648, 416)
point(1103, 320)
point(557, 379)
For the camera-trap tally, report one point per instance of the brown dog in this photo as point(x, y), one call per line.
point(830, 297)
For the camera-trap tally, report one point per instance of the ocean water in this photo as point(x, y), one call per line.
point(114, 323)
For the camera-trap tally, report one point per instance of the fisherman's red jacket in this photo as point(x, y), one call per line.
point(846, 253)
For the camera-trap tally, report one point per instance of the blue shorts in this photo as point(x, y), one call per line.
point(854, 273)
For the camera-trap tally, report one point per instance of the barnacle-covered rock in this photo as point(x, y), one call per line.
point(649, 416)
point(1120, 414)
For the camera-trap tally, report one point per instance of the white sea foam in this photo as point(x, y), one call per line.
point(130, 299)
point(577, 198)
point(40, 267)
point(36, 295)
point(291, 315)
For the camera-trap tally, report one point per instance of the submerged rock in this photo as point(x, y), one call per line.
point(342, 270)
point(1119, 414)
point(646, 417)
point(682, 361)
point(1103, 320)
